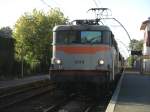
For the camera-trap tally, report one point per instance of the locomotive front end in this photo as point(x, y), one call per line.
point(81, 53)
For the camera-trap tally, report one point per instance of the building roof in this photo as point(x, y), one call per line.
point(144, 24)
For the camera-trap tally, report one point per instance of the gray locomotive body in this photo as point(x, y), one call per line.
point(84, 54)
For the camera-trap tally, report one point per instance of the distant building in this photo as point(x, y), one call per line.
point(146, 45)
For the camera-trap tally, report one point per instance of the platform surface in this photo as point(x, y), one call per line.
point(26, 80)
point(134, 95)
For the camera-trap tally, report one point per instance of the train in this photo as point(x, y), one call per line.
point(84, 53)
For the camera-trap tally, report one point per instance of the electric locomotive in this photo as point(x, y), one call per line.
point(84, 53)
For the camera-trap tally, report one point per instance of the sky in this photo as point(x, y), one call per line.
point(131, 13)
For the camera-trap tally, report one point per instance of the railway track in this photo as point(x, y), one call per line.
point(22, 88)
point(78, 104)
point(25, 93)
point(47, 98)
point(61, 103)
point(56, 103)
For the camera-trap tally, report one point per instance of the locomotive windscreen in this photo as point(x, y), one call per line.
point(91, 37)
point(82, 37)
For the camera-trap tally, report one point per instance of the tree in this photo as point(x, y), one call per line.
point(6, 51)
point(135, 45)
point(6, 32)
point(33, 34)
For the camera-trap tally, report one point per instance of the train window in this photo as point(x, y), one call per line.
point(83, 37)
point(112, 40)
point(107, 37)
point(115, 44)
point(67, 37)
point(92, 37)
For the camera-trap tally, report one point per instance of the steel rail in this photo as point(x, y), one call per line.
point(27, 97)
point(22, 90)
point(57, 106)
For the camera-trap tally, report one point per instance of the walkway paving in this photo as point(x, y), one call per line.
point(134, 95)
point(13, 83)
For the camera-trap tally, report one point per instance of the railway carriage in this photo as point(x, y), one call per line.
point(84, 53)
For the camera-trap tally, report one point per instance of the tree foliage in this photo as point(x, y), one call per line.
point(136, 44)
point(6, 51)
point(6, 32)
point(33, 34)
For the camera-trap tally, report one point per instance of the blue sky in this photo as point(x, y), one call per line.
point(131, 13)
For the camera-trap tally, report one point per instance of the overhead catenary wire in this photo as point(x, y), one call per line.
point(46, 4)
point(54, 1)
point(100, 4)
point(95, 3)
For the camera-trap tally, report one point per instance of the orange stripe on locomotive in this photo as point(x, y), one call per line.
point(82, 49)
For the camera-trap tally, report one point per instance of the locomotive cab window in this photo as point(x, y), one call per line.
point(67, 37)
point(92, 37)
point(82, 37)
point(107, 37)
point(112, 40)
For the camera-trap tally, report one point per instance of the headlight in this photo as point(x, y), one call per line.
point(58, 61)
point(100, 62)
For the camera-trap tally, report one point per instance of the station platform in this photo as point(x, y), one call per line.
point(26, 80)
point(132, 94)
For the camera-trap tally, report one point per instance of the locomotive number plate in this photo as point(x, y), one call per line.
point(79, 62)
